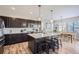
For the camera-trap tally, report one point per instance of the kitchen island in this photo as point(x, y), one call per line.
point(39, 37)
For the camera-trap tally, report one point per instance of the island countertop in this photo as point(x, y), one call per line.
point(41, 35)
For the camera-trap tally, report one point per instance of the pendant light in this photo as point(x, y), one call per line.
point(61, 23)
point(39, 16)
point(51, 20)
point(51, 16)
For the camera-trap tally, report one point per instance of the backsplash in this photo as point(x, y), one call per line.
point(17, 30)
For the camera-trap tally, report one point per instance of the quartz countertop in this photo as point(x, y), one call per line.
point(41, 35)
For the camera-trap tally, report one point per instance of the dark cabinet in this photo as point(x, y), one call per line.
point(15, 38)
point(11, 22)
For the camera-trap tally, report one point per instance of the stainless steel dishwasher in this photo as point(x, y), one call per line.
point(2, 41)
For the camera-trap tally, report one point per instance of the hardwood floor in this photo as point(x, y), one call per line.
point(69, 48)
point(22, 48)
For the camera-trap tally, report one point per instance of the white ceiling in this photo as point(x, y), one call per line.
point(32, 11)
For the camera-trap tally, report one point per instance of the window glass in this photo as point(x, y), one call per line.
point(70, 27)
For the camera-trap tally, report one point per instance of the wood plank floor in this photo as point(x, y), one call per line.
point(69, 48)
point(19, 48)
point(22, 48)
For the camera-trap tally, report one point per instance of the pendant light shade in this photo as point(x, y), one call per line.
point(39, 12)
point(51, 16)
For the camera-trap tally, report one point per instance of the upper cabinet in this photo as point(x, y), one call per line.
point(11, 22)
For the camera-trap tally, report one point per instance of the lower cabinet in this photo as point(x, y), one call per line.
point(15, 38)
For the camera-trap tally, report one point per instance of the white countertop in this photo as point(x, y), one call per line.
point(40, 35)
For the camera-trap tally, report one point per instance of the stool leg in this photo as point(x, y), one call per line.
point(53, 49)
point(47, 49)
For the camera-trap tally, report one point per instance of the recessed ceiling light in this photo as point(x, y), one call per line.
point(31, 12)
point(13, 8)
point(51, 21)
point(39, 18)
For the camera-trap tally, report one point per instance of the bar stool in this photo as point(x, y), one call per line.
point(60, 40)
point(43, 46)
point(55, 43)
point(52, 45)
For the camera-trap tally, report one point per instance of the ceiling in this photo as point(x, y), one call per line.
point(32, 11)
